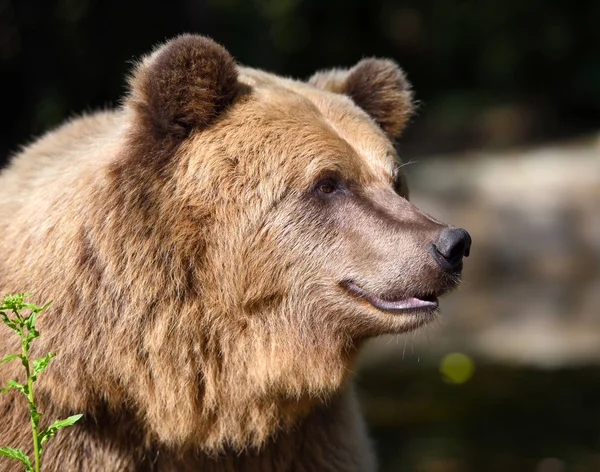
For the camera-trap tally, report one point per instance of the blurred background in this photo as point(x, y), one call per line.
point(506, 143)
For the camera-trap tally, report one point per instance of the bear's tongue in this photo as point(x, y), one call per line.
point(405, 304)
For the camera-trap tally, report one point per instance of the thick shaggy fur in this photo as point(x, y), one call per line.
point(199, 317)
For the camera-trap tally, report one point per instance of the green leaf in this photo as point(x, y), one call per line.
point(16, 454)
point(36, 308)
point(8, 357)
point(10, 323)
point(31, 306)
point(51, 430)
point(33, 414)
point(32, 333)
point(30, 320)
point(13, 384)
point(14, 302)
point(45, 305)
point(40, 364)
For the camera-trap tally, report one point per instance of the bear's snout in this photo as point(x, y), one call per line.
point(451, 246)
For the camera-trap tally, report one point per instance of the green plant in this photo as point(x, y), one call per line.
point(24, 326)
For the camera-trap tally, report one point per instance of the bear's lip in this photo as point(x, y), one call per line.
point(412, 303)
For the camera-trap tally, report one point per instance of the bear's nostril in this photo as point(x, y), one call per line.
point(451, 246)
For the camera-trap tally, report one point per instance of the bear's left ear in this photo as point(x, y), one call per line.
point(183, 84)
point(378, 86)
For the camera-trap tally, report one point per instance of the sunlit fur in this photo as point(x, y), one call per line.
point(198, 317)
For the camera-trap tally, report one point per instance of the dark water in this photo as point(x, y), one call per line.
point(504, 419)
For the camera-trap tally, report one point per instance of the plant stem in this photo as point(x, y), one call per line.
point(36, 449)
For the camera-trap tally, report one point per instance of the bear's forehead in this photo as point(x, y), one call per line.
point(325, 125)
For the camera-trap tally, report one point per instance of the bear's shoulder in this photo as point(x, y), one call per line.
point(58, 158)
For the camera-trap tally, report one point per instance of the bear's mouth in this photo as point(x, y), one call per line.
point(425, 302)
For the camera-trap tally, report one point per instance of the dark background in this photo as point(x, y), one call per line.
point(513, 78)
point(491, 73)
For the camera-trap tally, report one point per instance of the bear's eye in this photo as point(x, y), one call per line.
point(327, 186)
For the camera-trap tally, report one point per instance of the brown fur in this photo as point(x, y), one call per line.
point(378, 86)
point(200, 316)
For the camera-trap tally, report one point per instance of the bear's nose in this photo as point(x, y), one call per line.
point(451, 246)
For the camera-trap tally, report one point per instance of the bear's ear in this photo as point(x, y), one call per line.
point(378, 86)
point(183, 84)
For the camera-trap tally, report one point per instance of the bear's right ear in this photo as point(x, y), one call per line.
point(182, 85)
point(378, 86)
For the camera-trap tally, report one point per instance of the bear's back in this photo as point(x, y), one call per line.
point(51, 165)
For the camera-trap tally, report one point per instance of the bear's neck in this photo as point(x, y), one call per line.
point(330, 437)
point(232, 391)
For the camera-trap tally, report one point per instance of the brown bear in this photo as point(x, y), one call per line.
point(217, 249)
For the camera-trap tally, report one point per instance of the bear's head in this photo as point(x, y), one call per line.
point(263, 232)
